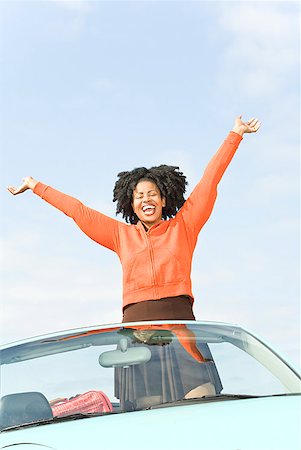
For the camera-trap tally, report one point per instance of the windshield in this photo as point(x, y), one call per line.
point(136, 366)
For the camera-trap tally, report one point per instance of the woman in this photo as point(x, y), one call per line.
point(155, 248)
point(155, 253)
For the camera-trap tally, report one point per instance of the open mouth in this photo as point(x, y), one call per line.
point(148, 210)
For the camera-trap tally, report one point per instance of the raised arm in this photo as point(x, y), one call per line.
point(198, 207)
point(98, 226)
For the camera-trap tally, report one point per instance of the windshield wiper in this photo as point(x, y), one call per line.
point(215, 398)
point(58, 419)
point(204, 399)
point(228, 396)
point(242, 396)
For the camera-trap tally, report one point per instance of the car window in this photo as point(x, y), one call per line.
point(61, 375)
point(129, 368)
point(242, 374)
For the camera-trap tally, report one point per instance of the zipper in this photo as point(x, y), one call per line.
point(152, 262)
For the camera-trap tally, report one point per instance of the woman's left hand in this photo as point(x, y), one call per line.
point(241, 127)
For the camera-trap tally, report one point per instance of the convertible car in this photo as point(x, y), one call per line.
point(188, 384)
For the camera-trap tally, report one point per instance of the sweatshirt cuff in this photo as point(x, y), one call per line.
point(235, 138)
point(40, 189)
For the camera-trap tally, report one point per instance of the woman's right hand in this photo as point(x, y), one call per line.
point(28, 183)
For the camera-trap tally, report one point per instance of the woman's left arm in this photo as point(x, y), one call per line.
point(198, 207)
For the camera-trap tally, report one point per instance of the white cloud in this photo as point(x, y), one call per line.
point(104, 85)
point(286, 226)
point(74, 5)
point(55, 290)
point(279, 146)
point(274, 186)
point(73, 23)
point(265, 19)
point(260, 46)
point(67, 27)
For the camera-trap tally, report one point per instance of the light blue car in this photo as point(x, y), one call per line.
point(174, 385)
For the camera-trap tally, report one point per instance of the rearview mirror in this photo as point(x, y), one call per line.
point(125, 357)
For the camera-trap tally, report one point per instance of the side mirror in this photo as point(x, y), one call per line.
point(125, 357)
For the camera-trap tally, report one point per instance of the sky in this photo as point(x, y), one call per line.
point(92, 88)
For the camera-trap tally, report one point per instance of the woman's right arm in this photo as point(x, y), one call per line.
point(98, 226)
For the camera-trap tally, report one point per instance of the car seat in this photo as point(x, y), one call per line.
point(22, 408)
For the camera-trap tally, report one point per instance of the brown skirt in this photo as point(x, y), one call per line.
point(170, 308)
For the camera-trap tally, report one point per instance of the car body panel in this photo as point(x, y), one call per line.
point(222, 425)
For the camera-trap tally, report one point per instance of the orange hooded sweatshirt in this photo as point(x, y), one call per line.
point(156, 263)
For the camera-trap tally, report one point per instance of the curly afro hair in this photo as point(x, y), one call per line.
point(170, 181)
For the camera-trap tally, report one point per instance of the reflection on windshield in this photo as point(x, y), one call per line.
point(127, 368)
point(176, 368)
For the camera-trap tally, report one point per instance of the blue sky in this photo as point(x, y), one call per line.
point(91, 88)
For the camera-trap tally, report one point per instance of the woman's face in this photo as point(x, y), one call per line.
point(148, 203)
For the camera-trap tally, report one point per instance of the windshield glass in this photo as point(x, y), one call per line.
point(132, 367)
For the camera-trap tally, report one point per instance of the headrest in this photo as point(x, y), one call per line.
point(21, 408)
